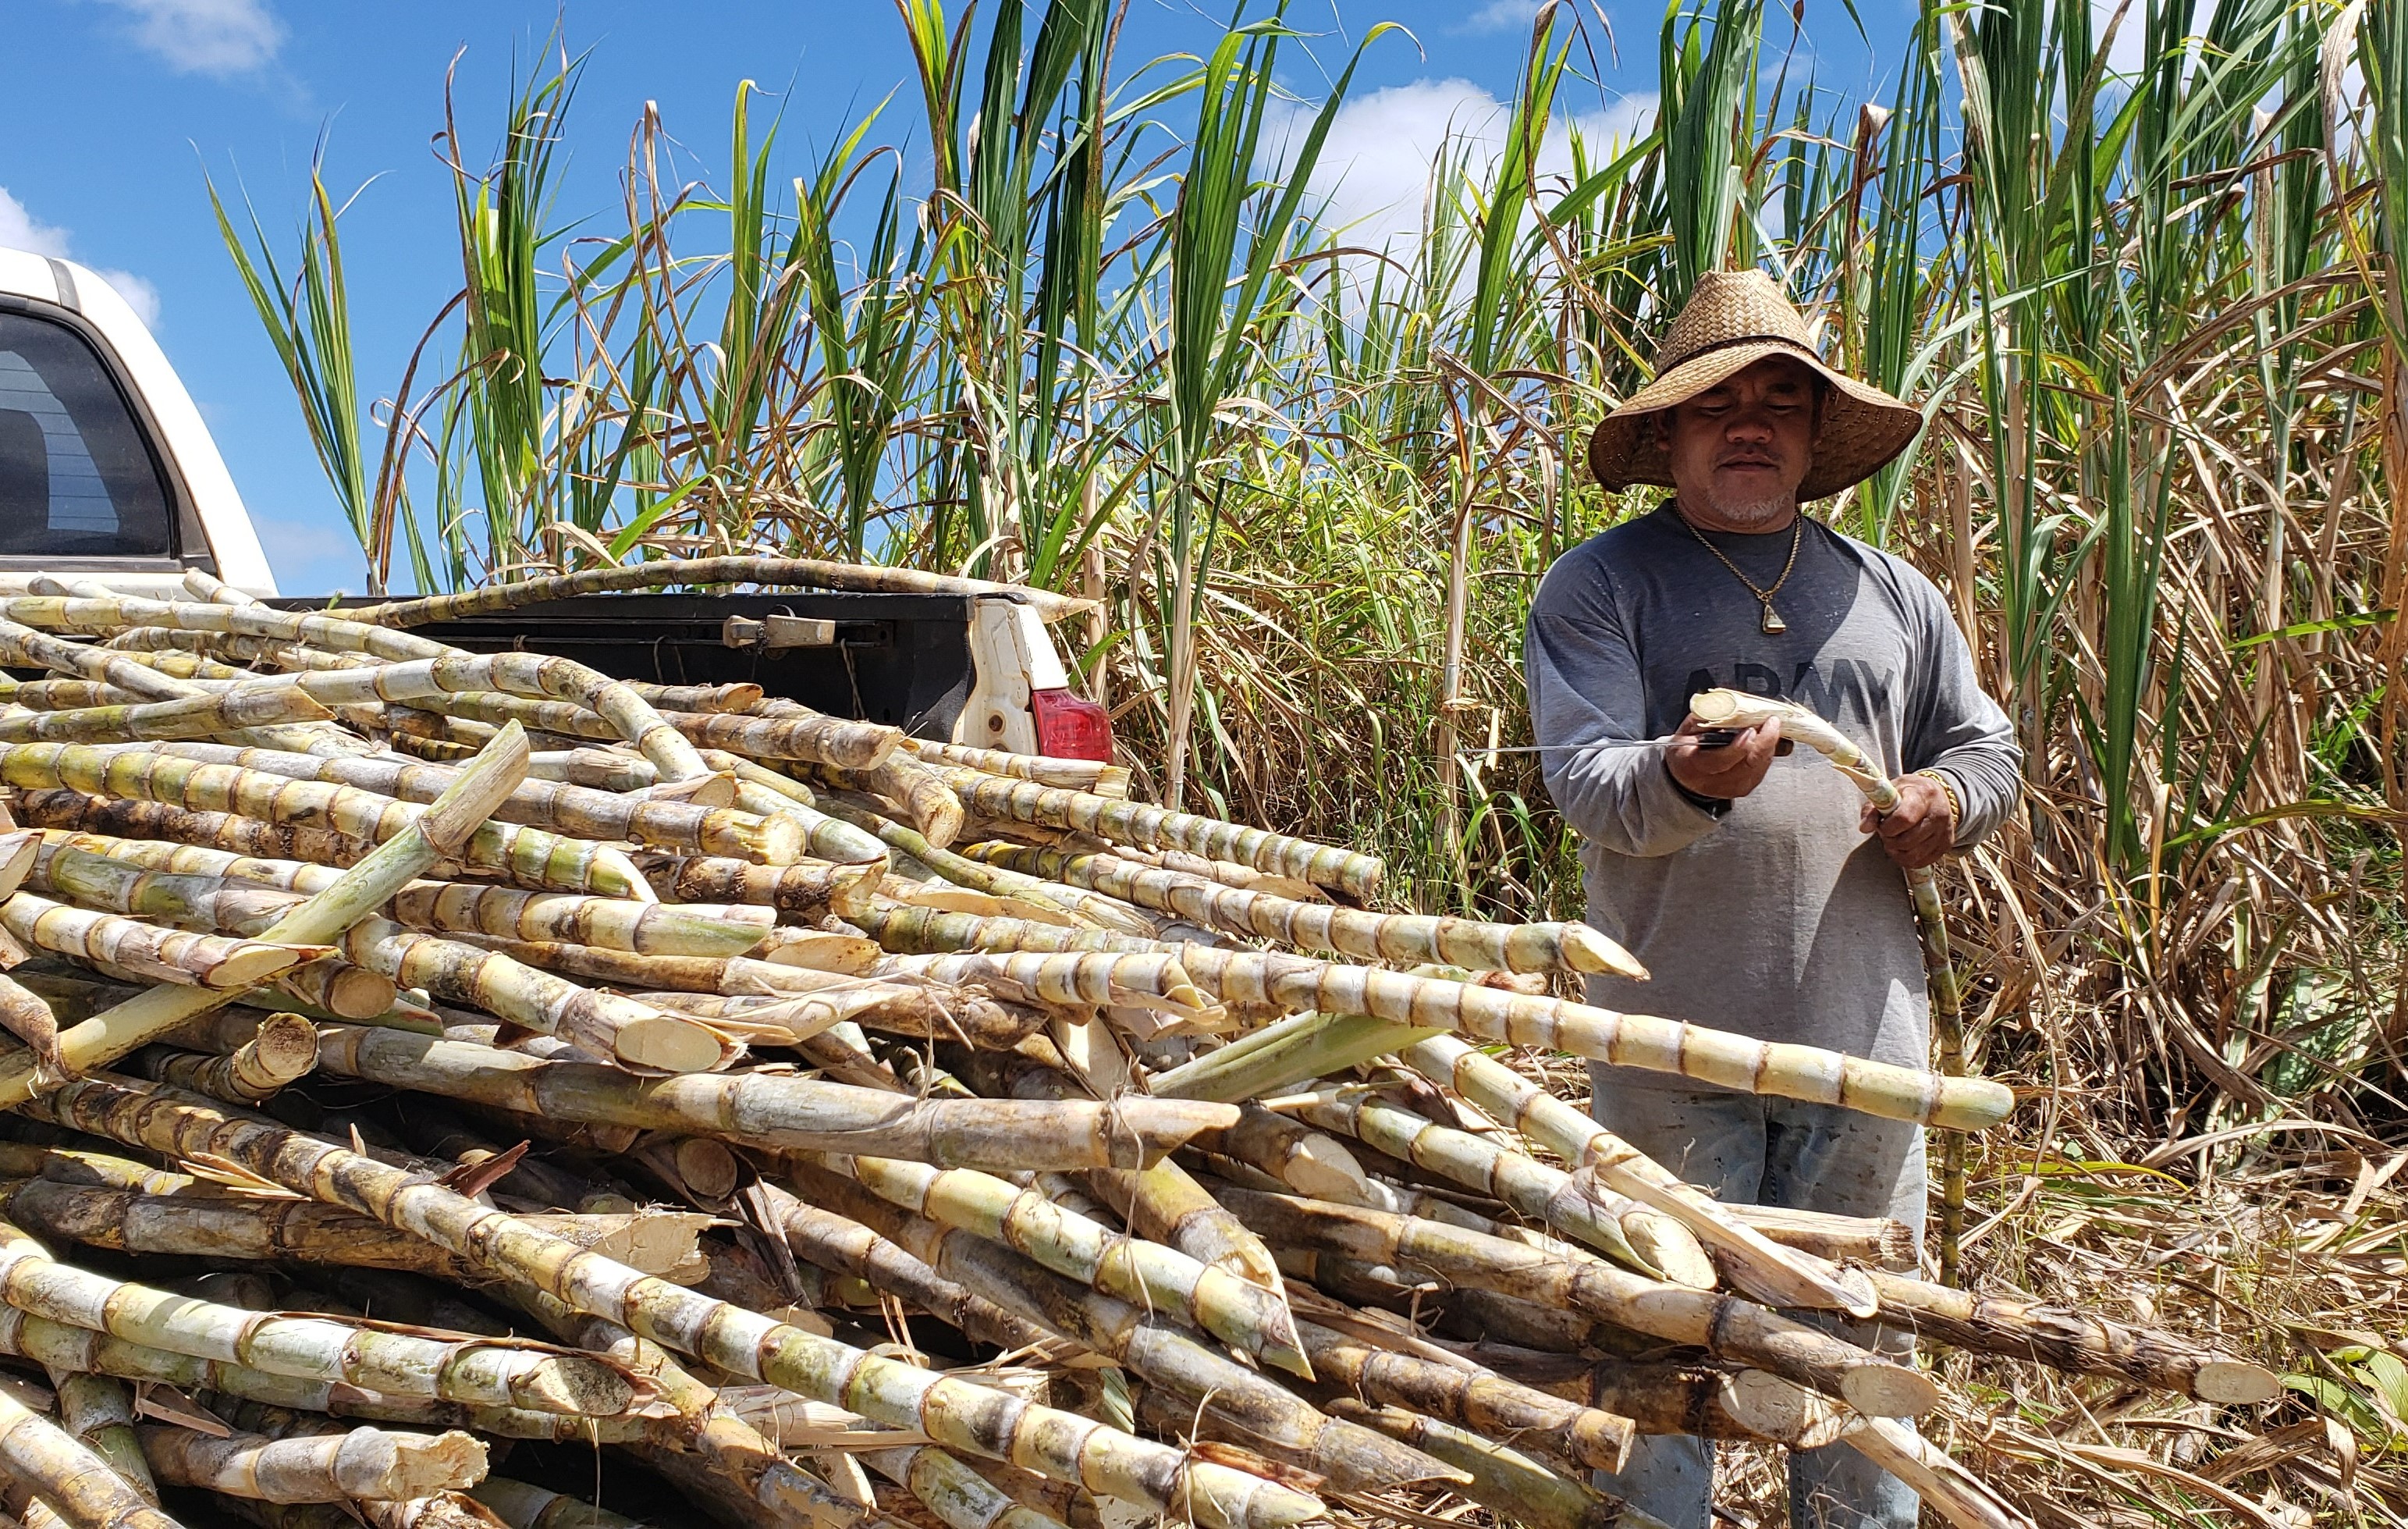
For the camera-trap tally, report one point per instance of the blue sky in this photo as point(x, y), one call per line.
point(114, 110)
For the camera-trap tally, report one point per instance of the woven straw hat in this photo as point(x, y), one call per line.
point(1732, 320)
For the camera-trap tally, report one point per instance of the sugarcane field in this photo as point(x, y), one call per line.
point(1078, 763)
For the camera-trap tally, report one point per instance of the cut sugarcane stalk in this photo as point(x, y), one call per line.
point(1242, 1315)
point(956, 1412)
point(1946, 1487)
point(1280, 1056)
point(925, 799)
point(842, 1246)
point(1318, 926)
point(98, 1411)
point(1587, 1214)
point(769, 1109)
point(202, 960)
point(195, 717)
point(283, 1051)
point(75, 1482)
point(957, 1496)
point(1763, 1268)
point(1272, 1418)
point(568, 810)
point(30, 1020)
point(173, 1220)
point(173, 782)
point(797, 891)
point(649, 929)
point(1722, 1325)
point(1136, 823)
point(1103, 780)
point(357, 1462)
point(309, 1347)
point(1502, 1478)
point(1163, 1202)
point(443, 827)
point(1624, 1040)
point(62, 1348)
point(2079, 1342)
point(1739, 708)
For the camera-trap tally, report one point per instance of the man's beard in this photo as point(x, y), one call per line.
point(1748, 515)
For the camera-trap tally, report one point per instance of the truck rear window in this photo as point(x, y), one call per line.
point(77, 478)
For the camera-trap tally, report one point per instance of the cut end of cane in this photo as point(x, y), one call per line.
point(778, 839)
point(1725, 707)
point(664, 1043)
point(1671, 1248)
point(1586, 950)
point(1283, 1348)
point(357, 993)
point(256, 964)
point(853, 888)
point(286, 1045)
point(419, 1466)
point(574, 1386)
point(814, 950)
point(2233, 1382)
point(716, 790)
point(862, 746)
point(1784, 1280)
point(477, 792)
point(1972, 1104)
point(1140, 1133)
point(1889, 1390)
point(1777, 1410)
point(615, 875)
point(17, 853)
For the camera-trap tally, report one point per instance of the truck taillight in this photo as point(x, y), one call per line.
point(1070, 727)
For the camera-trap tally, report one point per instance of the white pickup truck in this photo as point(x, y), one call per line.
point(108, 472)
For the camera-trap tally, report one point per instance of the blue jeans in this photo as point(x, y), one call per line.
point(1756, 1149)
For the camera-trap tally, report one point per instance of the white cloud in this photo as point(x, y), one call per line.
point(20, 230)
point(217, 37)
point(1502, 16)
point(139, 294)
point(1374, 170)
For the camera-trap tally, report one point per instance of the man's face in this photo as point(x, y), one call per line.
point(1740, 449)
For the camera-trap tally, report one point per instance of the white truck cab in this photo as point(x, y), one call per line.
point(105, 467)
point(108, 472)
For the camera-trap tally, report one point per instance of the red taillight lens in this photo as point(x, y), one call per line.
point(1070, 727)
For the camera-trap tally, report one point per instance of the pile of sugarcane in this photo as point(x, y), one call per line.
point(453, 1051)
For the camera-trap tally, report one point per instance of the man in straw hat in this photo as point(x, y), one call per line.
point(1758, 887)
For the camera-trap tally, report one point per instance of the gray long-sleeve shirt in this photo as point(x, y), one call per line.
point(1779, 919)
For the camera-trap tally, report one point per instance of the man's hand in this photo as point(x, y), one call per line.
point(1920, 828)
point(1727, 773)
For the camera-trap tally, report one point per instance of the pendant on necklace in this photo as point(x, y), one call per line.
point(1773, 625)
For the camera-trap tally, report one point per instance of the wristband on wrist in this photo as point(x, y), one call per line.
point(1711, 806)
point(1948, 789)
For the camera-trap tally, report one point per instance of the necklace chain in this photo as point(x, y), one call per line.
point(1771, 622)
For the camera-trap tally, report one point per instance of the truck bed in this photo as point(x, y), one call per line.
point(900, 659)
